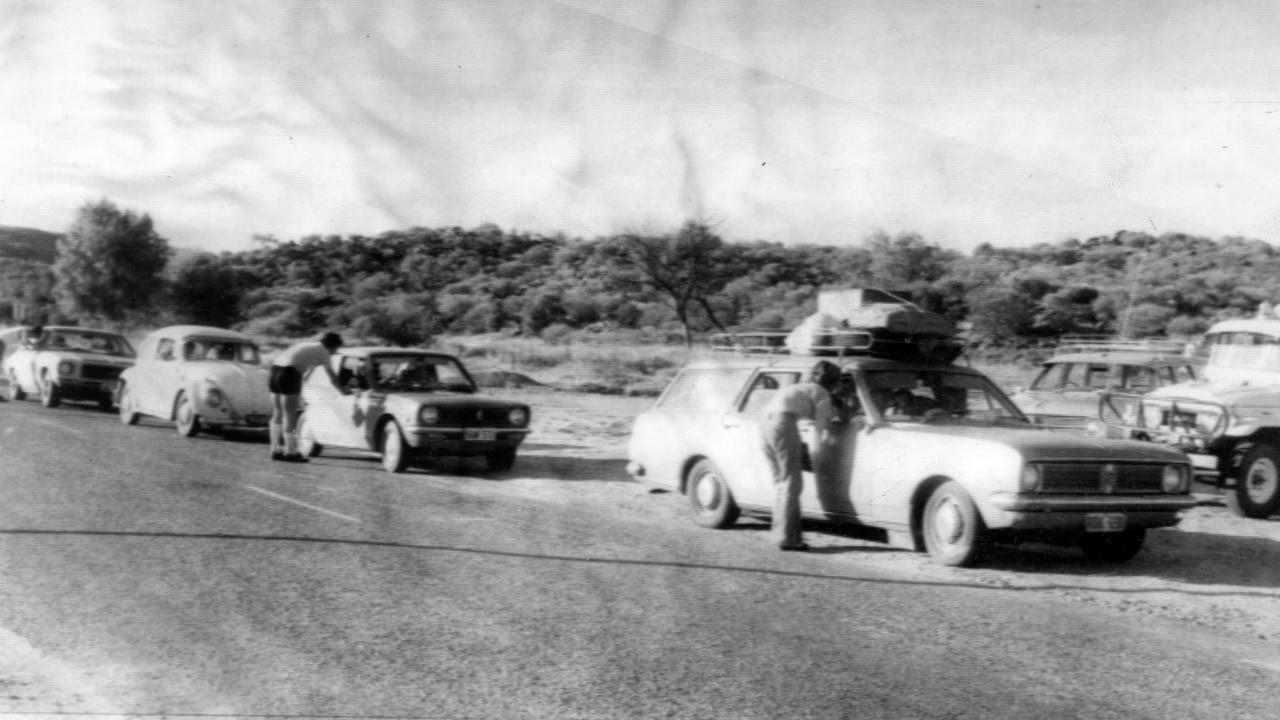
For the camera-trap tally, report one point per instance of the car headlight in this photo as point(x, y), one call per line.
point(429, 415)
point(1030, 480)
point(213, 397)
point(1174, 479)
point(66, 368)
point(518, 417)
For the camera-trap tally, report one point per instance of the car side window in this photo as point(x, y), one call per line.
point(709, 390)
point(353, 372)
point(1052, 377)
point(1141, 379)
point(164, 349)
point(763, 388)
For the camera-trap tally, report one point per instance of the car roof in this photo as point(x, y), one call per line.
point(1122, 357)
point(201, 331)
point(1261, 326)
point(79, 329)
point(804, 363)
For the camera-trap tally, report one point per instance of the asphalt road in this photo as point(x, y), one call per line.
point(146, 575)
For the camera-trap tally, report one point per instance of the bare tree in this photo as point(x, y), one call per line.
point(685, 267)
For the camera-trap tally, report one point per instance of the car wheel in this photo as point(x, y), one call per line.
point(50, 395)
point(124, 402)
point(1258, 482)
point(186, 421)
point(954, 533)
point(709, 496)
point(15, 390)
point(395, 456)
point(501, 460)
point(106, 403)
point(307, 444)
point(1113, 547)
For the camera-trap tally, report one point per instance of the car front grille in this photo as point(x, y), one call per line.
point(1113, 478)
point(100, 372)
point(475, 417)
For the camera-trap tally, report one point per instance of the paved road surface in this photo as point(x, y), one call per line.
point(145, 575)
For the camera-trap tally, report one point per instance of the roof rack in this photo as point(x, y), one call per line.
point(842, 343)
point(767, 342)
point(1102, 343)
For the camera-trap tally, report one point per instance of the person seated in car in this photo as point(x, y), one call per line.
point(903, 403)
point(416, 372)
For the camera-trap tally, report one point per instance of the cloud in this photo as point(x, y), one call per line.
point(967, 122)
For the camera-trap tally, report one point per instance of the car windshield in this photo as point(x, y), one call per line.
point(87, 341)
point(220, 350)
point(420, 372)
point(937, 395)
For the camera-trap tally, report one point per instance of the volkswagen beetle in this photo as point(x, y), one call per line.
point(198, 377)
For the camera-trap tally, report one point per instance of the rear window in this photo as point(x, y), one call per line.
point(708, 390)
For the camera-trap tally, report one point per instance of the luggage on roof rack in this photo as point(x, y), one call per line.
point(857, 322)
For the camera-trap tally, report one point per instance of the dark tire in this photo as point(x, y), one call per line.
point(953, 531)
point(15, 390)
point(186, 421)
point(501, 460)
point(1258, 482)
point(1113, 547)
point(106, 403)
point(124, 404)
point(50, 395)
point(307, 444)
point(709, 497)
point(395, 454)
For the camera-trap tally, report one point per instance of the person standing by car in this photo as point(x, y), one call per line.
point(285, 384)
point(784, 449)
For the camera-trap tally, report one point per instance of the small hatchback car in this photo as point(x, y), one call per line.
point(198, 377)
point(955, 468)
point(65, 363)
point(405, 403)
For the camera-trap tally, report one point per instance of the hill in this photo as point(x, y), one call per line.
point(28, 244)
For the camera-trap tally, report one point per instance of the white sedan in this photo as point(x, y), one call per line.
point(198, 377)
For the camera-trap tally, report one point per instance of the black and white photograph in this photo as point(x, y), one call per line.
point(616, 360)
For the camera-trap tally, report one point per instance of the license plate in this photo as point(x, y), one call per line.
point(479, 435)
point(1104, 522)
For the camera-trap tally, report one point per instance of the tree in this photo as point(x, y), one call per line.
point(109, 263)
point(209, 291)
point(683, 267)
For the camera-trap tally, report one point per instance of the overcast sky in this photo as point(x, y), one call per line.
point(801, 122)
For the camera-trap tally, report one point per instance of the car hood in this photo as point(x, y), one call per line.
point(1217, 392)
point(1048, 446)
point(1065, 402)
point(246, 385)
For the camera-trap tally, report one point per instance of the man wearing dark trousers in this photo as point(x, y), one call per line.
point(783, 447)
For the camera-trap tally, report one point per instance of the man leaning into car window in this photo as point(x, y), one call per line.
point(285, 385)
point(783, 447)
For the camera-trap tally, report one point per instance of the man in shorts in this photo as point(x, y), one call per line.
point(285, 384)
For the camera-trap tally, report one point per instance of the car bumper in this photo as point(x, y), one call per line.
point(462, 441)
point(77, 389)
point(1022, 512)
point(253, 421)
